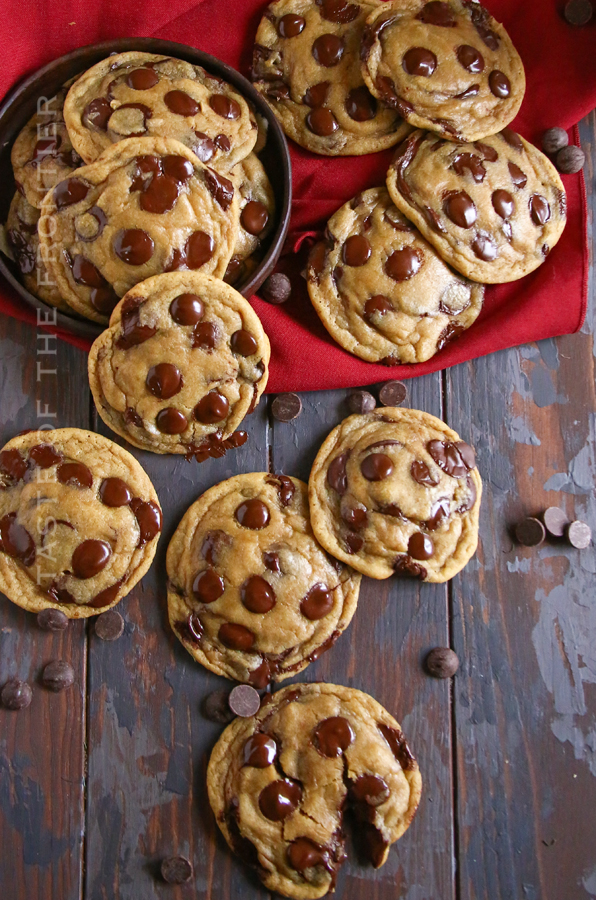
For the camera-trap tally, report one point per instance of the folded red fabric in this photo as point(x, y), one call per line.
point(560, 67)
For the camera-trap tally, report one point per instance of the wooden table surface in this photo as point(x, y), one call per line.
point(100, 782)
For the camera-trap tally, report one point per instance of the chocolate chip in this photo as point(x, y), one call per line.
point(290, 26)
point(578, 12)
point(97, 114)
point(539, 209)
point(142, 79)
point(393, 393)
point(257, 595)
point(277, 288)
point(187, 309)
point(321, 121)
point(420, 546)
point(530, 532)
point(171, 421)
point(212, 408)
point(279, 799)
point(339, 11)
point(336, 473)
point(327, 50)
point(503, 203)
point(317, 603)
point(455, 458)
point(286, 407)
point(419, 61)
point(460, 208)
point(16, 694)
point(205, 336)
point(254, 217)
point(252, 514)
point(361, 105)
point(370, 789)
point(499, 84)
point(208, 586)
point(57, 675)
point(442, 662)
point(333, 736)
point(243, 343)
point(437, 13)
point(377, 306)
point(216, 707)
point(222, 191)
point(52, 619)
point(176, 869)
point(579, 535)
point(16, 540)
point(148, 516)
point(484, 248)
point(304, 854)
point(404, 264)
point(71, 191)
point(224, 107)
point(285, 487)
point(554, 139)
point(236, 637)
point(555, 521)
point(164, 380)
point(109, 625)
point(519, 178)
point(470, 58)
point(260, 751)
point(570, 160)
point(244, 701)
point(361, 402)
point(90, 558)
point(133, 246)
point(471, 163)
point(356, 251)
point(13, 464)
point(181, 103)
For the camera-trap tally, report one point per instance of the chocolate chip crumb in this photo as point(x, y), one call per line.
point(361, 402)
point(570, 160)
point(578, 12)
point(442, 662)
point(176, 869)
point(16, 694)
point(286, 407)
point(277, 288)
point(579, 535)
point(554, 139)
point(555, 521)
point(216, 707)
point(52, 619)
point(58, 675)
point(245, 701)
point(393, 393)
point(109, 625)
point(530, 532)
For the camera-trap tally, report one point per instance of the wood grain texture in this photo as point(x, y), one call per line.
point(42, 747)
point(524, 623)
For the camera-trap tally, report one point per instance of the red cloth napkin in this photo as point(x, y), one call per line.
point(560, 65)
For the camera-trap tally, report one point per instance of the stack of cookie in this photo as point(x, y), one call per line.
point(468, 202)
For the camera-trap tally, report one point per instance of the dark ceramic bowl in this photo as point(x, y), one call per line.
point(21, 103)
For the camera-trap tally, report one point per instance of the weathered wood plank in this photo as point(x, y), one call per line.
point(524, 624)
point(41, 748)
point(395, 625)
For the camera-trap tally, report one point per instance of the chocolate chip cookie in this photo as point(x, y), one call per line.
point(251, 594)
point(42, 154)
point(147, 206)
point(396, 490)
point(23, 241)
point(445, 66)
point(143, 95)
point(257, 217)
point(381, 290)
point(305, 64)
point(184, 360)
point(493, 209)
point(281, 783)
point(79, 521)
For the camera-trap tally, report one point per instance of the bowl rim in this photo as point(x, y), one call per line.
point(85, 327)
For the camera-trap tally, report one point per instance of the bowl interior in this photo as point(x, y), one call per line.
point(21, 103)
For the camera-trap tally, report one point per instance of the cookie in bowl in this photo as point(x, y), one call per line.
point(257, 217)
point(184, 360)
point(445, 66)
point(139, 94)
point(283, 783)
point(396, 491)
point(306, 66)
point(493, 209)
point(79, 521)
point(251, 594)
point(381, 290)
point(147, 206)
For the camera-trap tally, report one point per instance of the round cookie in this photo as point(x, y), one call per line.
point(23, 240)
point(143, 95)
point(305, 64)
point(147, 206)
point(184, 360)
point(79, 521)
point(257, 217)
point(42, 154)
point(445, 66)
point(251, 594)
point(381, 290)
point(493, 210)
point(396, 490)
point(281, 782)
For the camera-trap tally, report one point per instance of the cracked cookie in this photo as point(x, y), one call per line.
point(493, 209)
point(251, 594)
point(381, 290)
point(79, 521)
point(184, 360)
point(42, 154)
point(23, 241)
point(257, 217)
point(448, 67)
point(282, 782)
point(396, 490)
point(147, 206)
point(305, 64)
point(143, 95)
